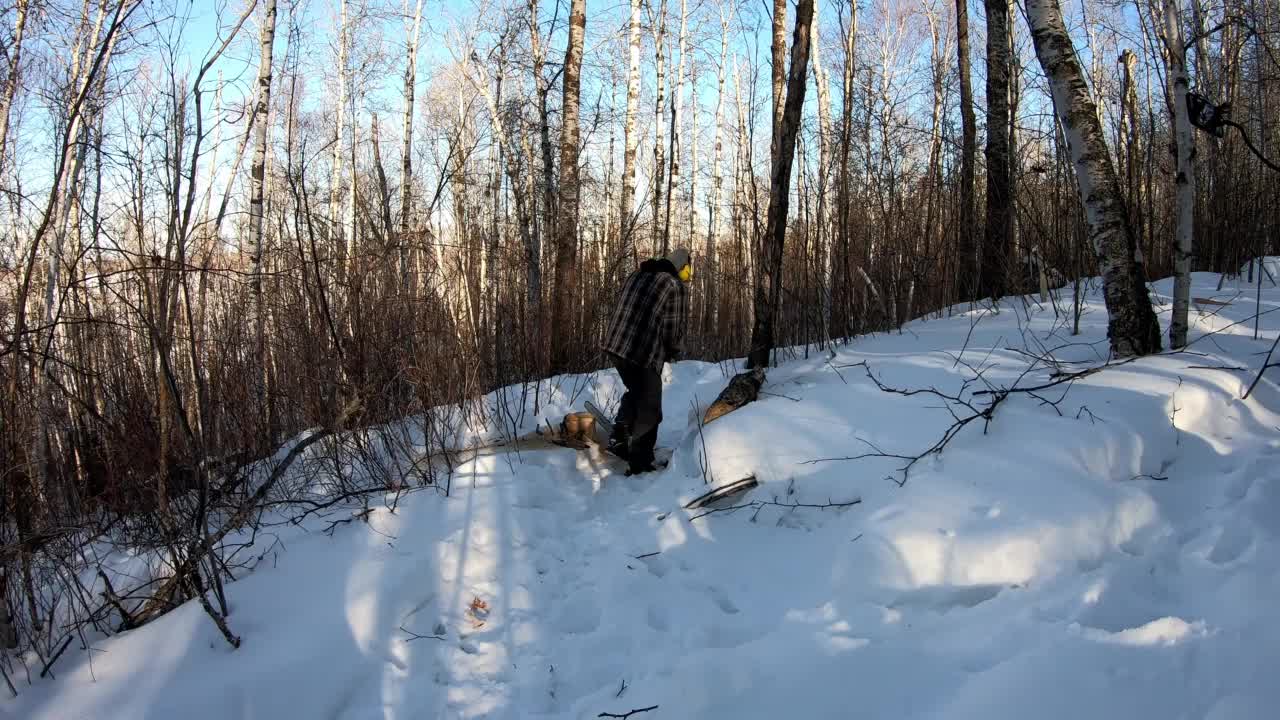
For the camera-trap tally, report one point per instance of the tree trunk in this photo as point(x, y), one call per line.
point(659, 150)
point(778, 67)
point(1132, 326)
point(823, 235)
point(257, 175)
point(967, 231)
point(844, 301)
point(1184, 139)
point(768, 290)
point(567, 205)
point(631, 139)
point(998, 241)
point(11, 82)
point(337, 243)
point(677, 108)
point(406, 148)
point(710, 273)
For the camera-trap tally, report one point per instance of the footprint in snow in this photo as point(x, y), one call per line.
point(578, 618)
point(658, 618)
point(657, 565)
point(1239, 486)
point(1235, 539)
point(722, 601)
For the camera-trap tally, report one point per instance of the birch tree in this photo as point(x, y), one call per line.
point(1184, 140)
point(659, 24)
point(1132, 326)
point(336, 223)
point(967, 229)
point(631, 139)
point(677, 107)
point(14, 76)
point(406, 145)
point(257, 172)
point(710, 277)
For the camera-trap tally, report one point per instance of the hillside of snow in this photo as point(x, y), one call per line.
point(1103, 548)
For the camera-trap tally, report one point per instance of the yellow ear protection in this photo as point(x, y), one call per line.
point(686, 273)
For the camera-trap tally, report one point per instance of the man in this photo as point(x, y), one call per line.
point(646, 331)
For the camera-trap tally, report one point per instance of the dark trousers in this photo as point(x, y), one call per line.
point(641, 410)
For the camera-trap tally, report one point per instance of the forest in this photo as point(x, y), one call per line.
point(235, 229)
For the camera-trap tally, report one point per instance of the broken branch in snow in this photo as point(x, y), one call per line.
point(950, 403)
point(629, 714)
point(49, 665)
point(758, 504)
point(415, 636)
point(220, 621)
point(362, 515)
point(1266, 363)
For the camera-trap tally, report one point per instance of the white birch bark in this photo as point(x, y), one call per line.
point(677, 109)
point(15, 74)
point(406, 145)
point(659, 143)
point(257, 172)
point(631, 138)
point(335, 180)
point(1184, 138)
point(823, 84)
point(717, 183)
point(1132, 326)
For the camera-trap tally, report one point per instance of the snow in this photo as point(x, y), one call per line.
point(1113, 557)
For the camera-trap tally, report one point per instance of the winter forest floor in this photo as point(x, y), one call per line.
point(1108, 548)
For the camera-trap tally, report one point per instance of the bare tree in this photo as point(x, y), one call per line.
point(1184, 139)
point(778, 70)
point(998, 242)
point(631, 139)
point(406, 145)
point(768, 290)
point(1132, 326)
point(659, 25)
point(966, 230)
point(14, 75)
point(567, 205)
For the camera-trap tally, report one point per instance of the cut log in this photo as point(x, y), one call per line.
point(742, 389)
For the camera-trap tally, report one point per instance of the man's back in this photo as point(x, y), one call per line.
point(647, 325)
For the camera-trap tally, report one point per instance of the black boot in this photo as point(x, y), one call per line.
point(619, 442)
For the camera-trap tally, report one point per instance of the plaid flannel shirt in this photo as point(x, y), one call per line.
point(647, 326)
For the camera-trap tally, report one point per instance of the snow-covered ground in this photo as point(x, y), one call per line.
point(1115, 554)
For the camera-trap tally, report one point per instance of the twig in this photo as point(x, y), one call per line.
point(126, 619)
point(7, 681)
point(1150, 477)
point(758, 504)
point(415, 636)
point(49, 665)
point(629, 714)
point(622, 689)
point(786, 397)
point(220, 621)
point(1265, 364)
point(641, 557)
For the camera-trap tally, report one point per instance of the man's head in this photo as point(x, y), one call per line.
point(683, 263)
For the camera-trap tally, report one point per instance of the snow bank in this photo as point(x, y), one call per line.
point(1103, 549)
